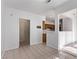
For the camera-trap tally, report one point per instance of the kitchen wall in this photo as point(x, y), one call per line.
point(69, 36)
point(52, 36)
point(52, 39)
point(73, 15)
point(12, 27)
point(67, 24)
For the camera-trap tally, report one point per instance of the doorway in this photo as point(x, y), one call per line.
point(24, 26)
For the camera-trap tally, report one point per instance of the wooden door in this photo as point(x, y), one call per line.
point(24, 32)
point(44, 38)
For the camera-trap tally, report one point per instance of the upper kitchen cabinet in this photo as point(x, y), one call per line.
point(48, 26)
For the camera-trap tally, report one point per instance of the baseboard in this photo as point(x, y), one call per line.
point(52, 46)
point(2, 54)
point(11, 48)
point(35, 43)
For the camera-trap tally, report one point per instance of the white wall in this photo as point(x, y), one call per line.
point(52, 39)
point(67, 24)
point(12, 27)
point(52, 36)
point(3, 27)
point(72, 15)
point(64, 38)
point(68, 36)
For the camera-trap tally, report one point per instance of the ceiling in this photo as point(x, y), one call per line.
point(41, 6)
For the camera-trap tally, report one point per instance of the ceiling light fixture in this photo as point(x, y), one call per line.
point(49, 1)
point(52, 14)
